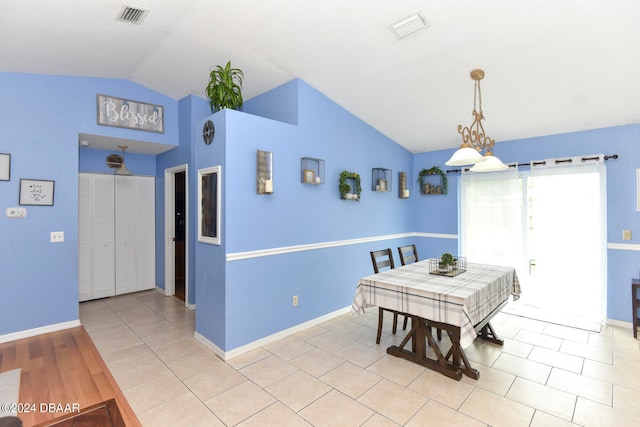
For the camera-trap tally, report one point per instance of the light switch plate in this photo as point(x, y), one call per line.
point(626, 234)
point(16, 212)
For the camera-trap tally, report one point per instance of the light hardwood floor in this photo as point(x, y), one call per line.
point(63, 369)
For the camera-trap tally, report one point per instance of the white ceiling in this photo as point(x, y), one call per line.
point(552, 66)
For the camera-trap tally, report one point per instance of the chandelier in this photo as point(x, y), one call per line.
point(474, 138)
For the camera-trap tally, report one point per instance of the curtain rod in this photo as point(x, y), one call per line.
point(513, 165)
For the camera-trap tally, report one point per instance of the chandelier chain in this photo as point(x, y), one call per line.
point(477, 93)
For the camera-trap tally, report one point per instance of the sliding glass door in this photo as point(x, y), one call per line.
point(566, 236)
point(550, 223)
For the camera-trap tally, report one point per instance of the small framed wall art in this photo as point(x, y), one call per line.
point(209, 214)
point(5, 167)
point(36, 192)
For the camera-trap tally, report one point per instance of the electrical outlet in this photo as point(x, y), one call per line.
point(295, 300)
point(57, 236)
point(626, 234)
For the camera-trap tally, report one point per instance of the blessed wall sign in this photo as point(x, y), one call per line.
point(125, 113)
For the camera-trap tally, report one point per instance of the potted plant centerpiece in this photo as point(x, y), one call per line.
point(225, 88)
point(426, 188)
point(447, 262)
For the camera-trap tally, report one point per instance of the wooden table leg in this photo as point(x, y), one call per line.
point(487, 333)
point(455, 362)
point(420, 335)
point(457, 356)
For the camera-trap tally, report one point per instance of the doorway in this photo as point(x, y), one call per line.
point(176, 211)
point(180, 222)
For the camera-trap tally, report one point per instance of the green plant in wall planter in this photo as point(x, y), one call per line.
point(346, 192)
point(225, 88)
point(427, 188)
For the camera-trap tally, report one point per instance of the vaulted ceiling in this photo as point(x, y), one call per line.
point(552, 66)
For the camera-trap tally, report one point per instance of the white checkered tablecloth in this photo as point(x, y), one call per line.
point(463, 300)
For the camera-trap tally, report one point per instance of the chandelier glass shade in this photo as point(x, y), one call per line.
point(475, 139)
point(490, 164)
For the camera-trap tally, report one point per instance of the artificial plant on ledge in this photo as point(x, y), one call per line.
point(434, 170)
point(225, 88)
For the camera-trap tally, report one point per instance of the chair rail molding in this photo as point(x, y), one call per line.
point(624, 246)
point(237, 256)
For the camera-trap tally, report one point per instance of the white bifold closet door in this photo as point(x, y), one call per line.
point(96, 263)
point(145, 233)
point(135, 233)
point(116, 235)
point(125, 234)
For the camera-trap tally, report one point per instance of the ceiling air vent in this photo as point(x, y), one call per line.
point(409, 25)
point(132, 15)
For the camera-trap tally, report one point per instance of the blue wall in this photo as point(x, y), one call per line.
point(40, 119)
point(210, 275)
point(258, 291)
point(94, 161)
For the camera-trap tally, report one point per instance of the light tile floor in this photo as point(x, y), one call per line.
point(335, 375)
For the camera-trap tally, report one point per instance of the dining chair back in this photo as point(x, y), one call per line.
point(382, 259)
point(408, 254)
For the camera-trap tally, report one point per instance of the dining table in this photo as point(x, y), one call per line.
point(462, 305)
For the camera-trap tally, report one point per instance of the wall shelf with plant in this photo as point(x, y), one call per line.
point(349, 186)
point(428, 186)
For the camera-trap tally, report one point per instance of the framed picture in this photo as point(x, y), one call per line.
point(209, 212)
point(5, 167)
point(36, 192)
point(309, 176)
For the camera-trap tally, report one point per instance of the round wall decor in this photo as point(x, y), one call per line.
point(208, 131)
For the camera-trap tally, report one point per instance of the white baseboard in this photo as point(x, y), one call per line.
point(190, 306)
point(211, 346)
point(619, 324)
point(162, 291)
point(37, 331)
point(226, 355)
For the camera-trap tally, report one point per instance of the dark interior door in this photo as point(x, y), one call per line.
point(179, 238)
